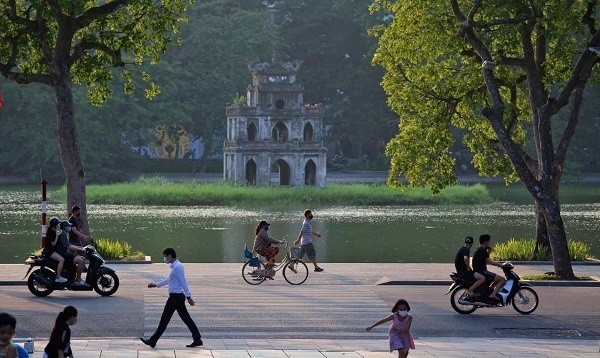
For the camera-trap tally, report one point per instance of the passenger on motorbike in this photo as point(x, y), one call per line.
point(462, 263)
point(49, 249)
point(64, 248)
point(480, 260)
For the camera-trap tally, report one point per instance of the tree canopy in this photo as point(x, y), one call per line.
point(490, 69)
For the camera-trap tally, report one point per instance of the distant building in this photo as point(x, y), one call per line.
point(275, 137)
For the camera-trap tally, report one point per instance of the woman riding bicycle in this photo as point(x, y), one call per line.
point(263, 245)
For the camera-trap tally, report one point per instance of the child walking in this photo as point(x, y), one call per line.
point(400, 337)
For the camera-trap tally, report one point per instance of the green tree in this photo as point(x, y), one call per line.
point(489, 68)
point(59, 43)
point(331, 38)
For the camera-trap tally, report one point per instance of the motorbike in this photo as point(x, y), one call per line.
point(99, 278)
point(520, 295)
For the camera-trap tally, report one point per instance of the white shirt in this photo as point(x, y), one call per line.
point(176, 280)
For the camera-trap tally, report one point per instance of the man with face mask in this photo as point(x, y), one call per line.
point(178, 292)
point(76, 237)
point(305, 239)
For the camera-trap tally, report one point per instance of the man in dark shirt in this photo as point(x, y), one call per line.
point(480, 261)
point(76, 237)
point(462, 263)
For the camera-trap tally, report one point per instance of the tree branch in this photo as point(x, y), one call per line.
point(97, 12)
point(80, 49)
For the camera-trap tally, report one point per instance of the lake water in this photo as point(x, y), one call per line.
point(350, 234)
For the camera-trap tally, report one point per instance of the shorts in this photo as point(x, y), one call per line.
point(467, 275)
point(69, 257)
point(309, 250)
point(489, 276)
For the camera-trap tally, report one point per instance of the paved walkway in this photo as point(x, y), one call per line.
point(383, 274)
point(276, 348)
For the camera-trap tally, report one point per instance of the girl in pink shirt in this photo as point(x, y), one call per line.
point(400, 337)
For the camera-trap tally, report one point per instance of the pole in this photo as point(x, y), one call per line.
point(44, 209)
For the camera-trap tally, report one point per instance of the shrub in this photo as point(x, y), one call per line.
point(522, 250)
point(117, 250)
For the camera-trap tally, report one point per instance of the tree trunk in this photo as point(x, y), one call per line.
point(557, 237)
point(542, 242)
point(69, 149)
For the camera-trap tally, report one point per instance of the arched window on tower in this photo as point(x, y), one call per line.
point(251, 132)
point(280, 132)
point(308, 132)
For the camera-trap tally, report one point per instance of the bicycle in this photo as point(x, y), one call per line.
point(295, 271)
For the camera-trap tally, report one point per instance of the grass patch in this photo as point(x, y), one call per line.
point(522, 250)
point(159, 191)
point(117, 250)
point(551, 276)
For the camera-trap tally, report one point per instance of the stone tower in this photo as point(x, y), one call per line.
point(275, 137)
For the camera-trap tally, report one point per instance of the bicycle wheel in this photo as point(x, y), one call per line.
point(295, 272)
point(254, 275)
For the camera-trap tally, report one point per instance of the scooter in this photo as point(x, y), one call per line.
point(514, 292)
point(99, 278)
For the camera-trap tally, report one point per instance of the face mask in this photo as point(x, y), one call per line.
point(266, 228)
point(165, 260)
point(67, 228)
point(402, 313)
point(310, 217)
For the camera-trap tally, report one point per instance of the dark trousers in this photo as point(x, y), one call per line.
point(176, 302)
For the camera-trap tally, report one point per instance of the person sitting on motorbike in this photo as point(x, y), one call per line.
point(462, 263)
point(263, 245)
point(64, 248)
point(76, 237)
point(480, 260)
point(49, 249)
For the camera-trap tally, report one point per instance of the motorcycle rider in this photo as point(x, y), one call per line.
point(64, 248)
point(480, 260)
point(462, 263)
point(76, 237)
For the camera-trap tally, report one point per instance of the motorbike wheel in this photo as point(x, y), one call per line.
point(38, 288)
point(525, 300)
point(458, 307)
point(106, 284)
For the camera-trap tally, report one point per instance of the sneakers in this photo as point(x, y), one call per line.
point(60, 279)
point(318, 269)
point(195, 344)
point(80, 282)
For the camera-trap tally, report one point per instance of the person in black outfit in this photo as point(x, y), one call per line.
point(59, 345)
point(178, 292)
point(64, 248)
point(462, 263)
point(480, 260)
point(76, 237)
point(49, 249)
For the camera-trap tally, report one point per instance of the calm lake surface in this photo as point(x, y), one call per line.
point(350, 233)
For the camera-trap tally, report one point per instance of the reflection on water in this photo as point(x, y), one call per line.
point(350, 234)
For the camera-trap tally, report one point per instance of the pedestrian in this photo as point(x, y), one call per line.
point(59, 345)
point(400, 337)
point(305, 238)
point(76, 237)
point(178, 292)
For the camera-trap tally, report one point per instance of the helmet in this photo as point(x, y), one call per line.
point(54, 222)
point(64, 224)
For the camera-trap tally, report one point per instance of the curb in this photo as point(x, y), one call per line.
point(545, 283)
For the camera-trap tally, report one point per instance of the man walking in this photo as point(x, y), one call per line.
point(305, 238)
point(178, 292)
